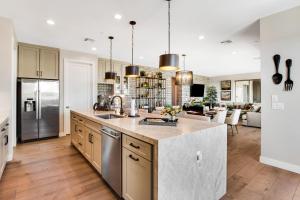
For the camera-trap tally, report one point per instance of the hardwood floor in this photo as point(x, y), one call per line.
point(52, 169)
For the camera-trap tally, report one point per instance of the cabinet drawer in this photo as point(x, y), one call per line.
point(137, 146)
point(93, 125)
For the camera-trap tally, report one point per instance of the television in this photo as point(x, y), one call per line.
point(197, 90)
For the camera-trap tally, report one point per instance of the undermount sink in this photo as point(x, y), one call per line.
point(110, 116)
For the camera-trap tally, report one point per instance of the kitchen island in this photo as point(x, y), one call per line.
point(186, 162)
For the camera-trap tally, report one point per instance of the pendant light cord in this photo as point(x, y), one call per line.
point(183, 61)
point(110, 54)
point(169, 25)
point(132, 45)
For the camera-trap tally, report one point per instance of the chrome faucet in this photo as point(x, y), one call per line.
point(121, 109)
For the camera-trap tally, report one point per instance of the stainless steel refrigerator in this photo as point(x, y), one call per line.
point(37, 109)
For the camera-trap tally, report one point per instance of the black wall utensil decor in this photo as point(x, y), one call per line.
point(288, 84)
point(277, 77)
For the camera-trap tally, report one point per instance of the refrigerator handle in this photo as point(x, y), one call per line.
point(40, 104)
point(37, 106)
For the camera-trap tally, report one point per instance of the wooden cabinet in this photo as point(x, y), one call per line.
point(137, 169)
point(49, 63)
point(38, 62)
point(96, 158)
point(28, 62)
point(136, 176)
point(86, 137)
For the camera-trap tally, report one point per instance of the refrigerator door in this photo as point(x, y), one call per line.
point(48, 108)
point(29, 109)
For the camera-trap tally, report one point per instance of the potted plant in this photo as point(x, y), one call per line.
point(171, 111)
point(211, 95)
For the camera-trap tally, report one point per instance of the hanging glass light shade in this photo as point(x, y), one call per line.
point(110, 75)
point(169, 62)
point(184, 77)
point(132, 70)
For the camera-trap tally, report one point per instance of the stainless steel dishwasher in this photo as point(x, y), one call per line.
point(112, 158)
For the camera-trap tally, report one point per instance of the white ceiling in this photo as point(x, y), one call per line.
point(217, 20)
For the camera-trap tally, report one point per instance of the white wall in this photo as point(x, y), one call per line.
point(72, 55)
point(216, 81)
point(280, 34)
point(8, 78)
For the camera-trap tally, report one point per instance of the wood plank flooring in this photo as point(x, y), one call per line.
point(53, 169)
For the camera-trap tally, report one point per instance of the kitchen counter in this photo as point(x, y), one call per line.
point(147, 133)
point(189, 160)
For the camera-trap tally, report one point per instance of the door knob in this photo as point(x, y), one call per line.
point(67, 107)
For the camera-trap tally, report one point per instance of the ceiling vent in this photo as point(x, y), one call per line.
point(226, 42)
point(89, 40)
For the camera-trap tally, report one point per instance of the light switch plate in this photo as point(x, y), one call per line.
point(274, 98)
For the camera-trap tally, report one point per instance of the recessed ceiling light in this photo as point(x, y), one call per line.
point(118, 16)
point(141, 57)
point(201, 37)
point(50, 22)
point(234, 53)
point(94, 49)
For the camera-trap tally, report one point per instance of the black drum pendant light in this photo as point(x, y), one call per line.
point(132, 70)
point(110, 75)
point(184, 77)
point(169, 62)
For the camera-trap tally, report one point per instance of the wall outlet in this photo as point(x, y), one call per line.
point(278, 106)
point(199, 158)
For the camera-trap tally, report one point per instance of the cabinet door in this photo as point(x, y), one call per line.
point(88, 146)
point(101, 70)
point(28, 64)
point(136, 176)
point(97, 150)
point(74, 138)
point(49, 63)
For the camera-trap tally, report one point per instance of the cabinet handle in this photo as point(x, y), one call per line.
point(6, 140)
point(37, 72)
point(4, 129)
point(133, 158)
point(41, 73)
point(7, 124)
point(80, 143)
point(92, 138)
point(80, 120)
point(80, 130)
point(134, 146)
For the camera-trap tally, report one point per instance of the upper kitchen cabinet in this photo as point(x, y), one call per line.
point(38, 62)
point(28, 63)
point(49, 63)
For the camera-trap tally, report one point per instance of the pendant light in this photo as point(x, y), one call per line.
point(110, 75)
point(132, 70)
point(184, 77)
point(169, 62)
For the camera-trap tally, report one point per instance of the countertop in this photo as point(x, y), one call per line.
point(148, 133)
point(3, 117)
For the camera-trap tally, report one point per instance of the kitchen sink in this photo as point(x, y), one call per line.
point(110, 116)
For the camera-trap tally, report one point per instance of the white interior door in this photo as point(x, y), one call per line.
point(79, 88)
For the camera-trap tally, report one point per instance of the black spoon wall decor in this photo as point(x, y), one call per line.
point(288, 84)
point(277, 77)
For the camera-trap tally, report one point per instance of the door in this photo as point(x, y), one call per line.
point(49, 63)
point(29, 109)
point(48, 108)
point(78, 89)
point(28, 62)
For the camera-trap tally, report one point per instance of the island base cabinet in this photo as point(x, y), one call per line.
point(136, 177)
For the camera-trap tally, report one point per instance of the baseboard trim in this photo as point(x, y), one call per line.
point(280, 164)
point(62, 134)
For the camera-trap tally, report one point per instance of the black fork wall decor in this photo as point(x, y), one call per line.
point(288, 84)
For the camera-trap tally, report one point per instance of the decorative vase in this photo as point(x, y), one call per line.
point(173, 117)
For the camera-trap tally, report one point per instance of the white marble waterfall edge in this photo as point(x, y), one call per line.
point(180, 177)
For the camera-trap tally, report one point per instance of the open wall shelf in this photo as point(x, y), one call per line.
point(150, 92)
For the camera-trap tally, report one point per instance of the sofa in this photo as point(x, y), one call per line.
point(252, 118)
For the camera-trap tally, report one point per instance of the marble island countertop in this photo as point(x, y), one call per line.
point(148, 133)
